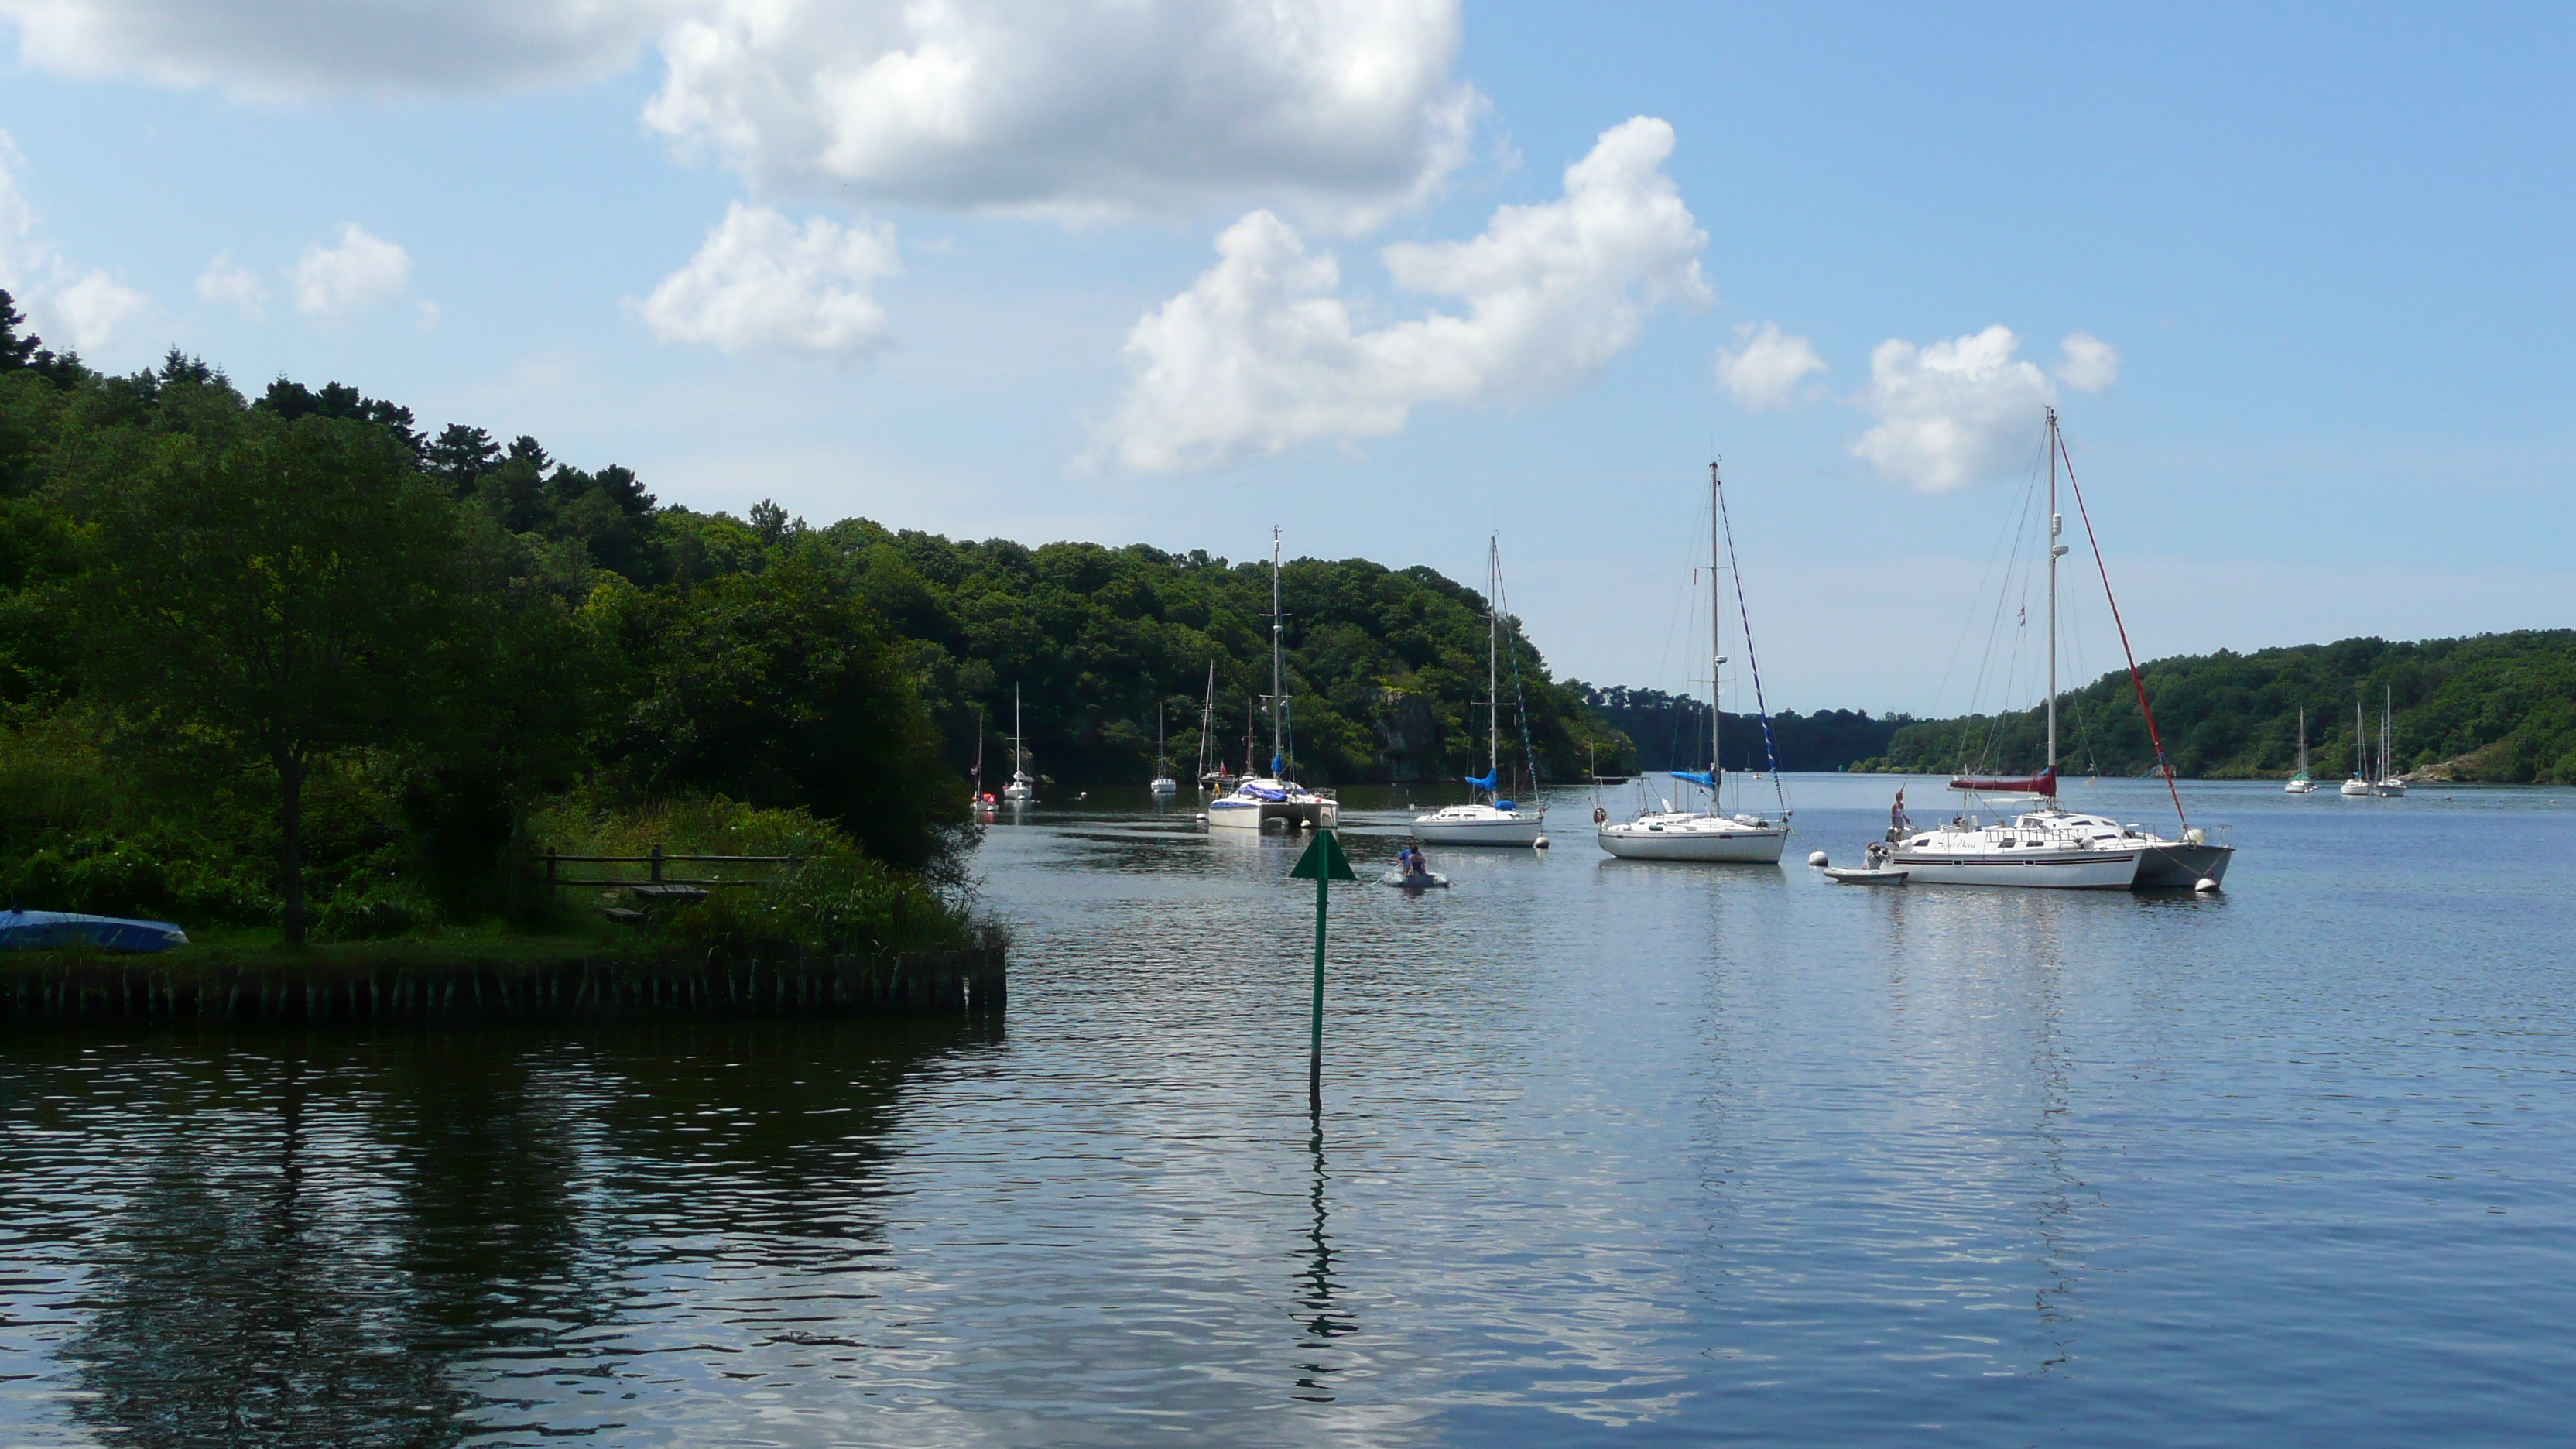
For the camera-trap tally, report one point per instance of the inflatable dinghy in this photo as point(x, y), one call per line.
point(1865, 877)
point(1404, 882)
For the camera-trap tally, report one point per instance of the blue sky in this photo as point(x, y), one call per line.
point(1147, 270)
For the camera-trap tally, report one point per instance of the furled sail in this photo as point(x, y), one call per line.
point(2043, 783)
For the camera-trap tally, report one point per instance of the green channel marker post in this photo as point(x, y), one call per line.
point(1323, 863)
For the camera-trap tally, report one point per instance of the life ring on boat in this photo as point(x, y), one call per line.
point(1600, 816)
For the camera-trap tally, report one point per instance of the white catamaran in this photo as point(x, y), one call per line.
point(1500, 821)
point(2043, 843)
point(1709, 835)
point(1256, 800)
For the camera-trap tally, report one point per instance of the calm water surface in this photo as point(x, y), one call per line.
point(1611, 1152)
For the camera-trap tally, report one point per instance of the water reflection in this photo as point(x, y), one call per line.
point(1324, 1320)
point(416, 1239)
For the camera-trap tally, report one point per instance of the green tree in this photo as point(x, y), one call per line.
point(282, 597)
point(780, 688)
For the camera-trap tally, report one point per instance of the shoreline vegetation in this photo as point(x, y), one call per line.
point(2489, 709)
point(290, 668)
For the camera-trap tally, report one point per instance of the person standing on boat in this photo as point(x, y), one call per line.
point(1897, 822)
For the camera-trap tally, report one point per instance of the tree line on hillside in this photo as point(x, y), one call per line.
point(2496, 707)
point(1671, 732)
point(290, 658)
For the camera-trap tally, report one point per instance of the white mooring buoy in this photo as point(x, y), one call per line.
point(2205, 883)
point(1817, 858)
point(1201, 817)
point(1539, 844)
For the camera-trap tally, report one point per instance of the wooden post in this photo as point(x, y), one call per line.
point(657, 862)
point(550, 872)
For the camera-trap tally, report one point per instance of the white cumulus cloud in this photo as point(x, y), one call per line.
point(286, 48)
point(2091, 364)
point(1763, 369)
point(1341, 109)
point(93, 309)
point(1951, 412)
point(83, 311)
point(764, 284)
point(356, 273)
point(227, 283)
point(1262, 353)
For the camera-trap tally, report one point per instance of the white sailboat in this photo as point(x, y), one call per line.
point(1162, 783)
point(1256, 800)
point(2359, 784)
point(1212, 772)
point(2299, 783)
point(1022, 789)
point(1710, 835)
point(2043, 844)
point(1494, 821)
point(2389, 784)
point(976, 799)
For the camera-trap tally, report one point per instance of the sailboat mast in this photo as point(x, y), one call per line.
point(1276, 623)
point(1493, 676)
point(2056, 550)
point(1207, 725)
point(1716, 649)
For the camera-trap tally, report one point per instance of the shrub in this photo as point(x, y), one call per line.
point(372, 916)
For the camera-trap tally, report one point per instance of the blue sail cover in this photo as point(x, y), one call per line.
point(45, 930)
point(1484, 781)
point(1696, 777)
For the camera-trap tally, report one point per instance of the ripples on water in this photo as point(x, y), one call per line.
point(1611, 1151)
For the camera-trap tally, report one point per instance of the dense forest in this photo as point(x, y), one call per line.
point(2497, 707)
point(1671, 732)
point(289, 659)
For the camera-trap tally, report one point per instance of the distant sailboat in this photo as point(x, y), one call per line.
point(1022, 789)
point(1256, 799)
point(1212, 772)
point(2300, 784)
point(2389, 783)
point(2359, 784)
point(1496, 821)
point(1163, 783)
point(976, 799)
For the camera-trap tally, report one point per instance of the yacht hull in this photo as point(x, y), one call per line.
point(2065, 870)
point(1731, 847)
point(1512, 830)
point(1231, 814)
point(2182, 866)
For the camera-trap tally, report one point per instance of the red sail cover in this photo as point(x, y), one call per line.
point(2041, 784)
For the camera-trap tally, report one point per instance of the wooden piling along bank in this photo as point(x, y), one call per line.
point(137, 989)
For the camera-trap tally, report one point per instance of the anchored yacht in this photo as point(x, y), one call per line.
point(1712, 835)
point(2041, 843)
point(1256, 800)
point(1494, 820)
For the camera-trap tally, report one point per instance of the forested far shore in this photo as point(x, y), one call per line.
point(292, 659)
point(2495, 708)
